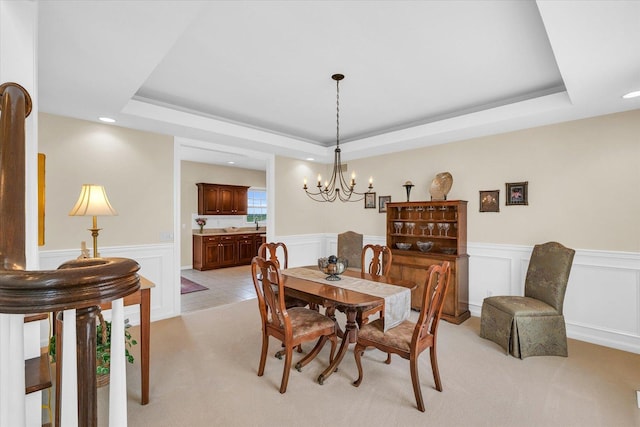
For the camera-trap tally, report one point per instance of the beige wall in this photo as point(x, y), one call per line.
point(192, 173)
point(135, 168)
point(583, 179)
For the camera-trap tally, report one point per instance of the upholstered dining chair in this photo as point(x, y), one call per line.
point(270, 251)
point(292, 326)
point(380, 264)
point(409, 339)
point(350, 247)
point(533, 324)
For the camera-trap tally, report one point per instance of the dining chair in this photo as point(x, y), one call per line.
point(292, 326)
point(533, 324)
point(409, 339)
point(350, 247)
point(380, 264)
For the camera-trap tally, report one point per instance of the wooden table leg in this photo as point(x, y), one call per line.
point(350, 336)
point(145, 326)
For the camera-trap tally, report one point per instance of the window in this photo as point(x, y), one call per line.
point(256, 205)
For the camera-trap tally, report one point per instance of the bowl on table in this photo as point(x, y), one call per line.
point(424, 246)
point(333, 266)
point(403, 246)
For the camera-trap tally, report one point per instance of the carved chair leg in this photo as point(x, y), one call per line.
point(358, 351)
point(413, 363)
point(388, 361)
point(287, 369)
point(434, 368)
point(263, 354)
point(334, 345)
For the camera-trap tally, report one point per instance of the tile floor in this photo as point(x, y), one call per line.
point(226, 286)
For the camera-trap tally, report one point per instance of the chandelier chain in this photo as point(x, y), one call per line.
point(338, 113)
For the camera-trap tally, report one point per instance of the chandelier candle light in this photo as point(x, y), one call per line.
point(337, 186)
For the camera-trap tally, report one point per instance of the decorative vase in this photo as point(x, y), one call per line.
point(201, 229)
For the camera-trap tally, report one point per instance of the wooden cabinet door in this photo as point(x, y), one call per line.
point(246, 249)
point(227, 251)
point(208, 200)
point(226, 199)
point(210, 254)
point(240, 201)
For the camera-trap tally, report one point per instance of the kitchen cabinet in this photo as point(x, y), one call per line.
point(224, 250)
point(444, 224)
point(219, 199)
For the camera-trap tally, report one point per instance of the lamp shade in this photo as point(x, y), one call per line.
point(93, 201)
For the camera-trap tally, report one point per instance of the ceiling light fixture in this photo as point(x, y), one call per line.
point(633, 94)
point(337, 187)
point(106, 119)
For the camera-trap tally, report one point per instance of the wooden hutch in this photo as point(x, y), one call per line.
point(444, 223)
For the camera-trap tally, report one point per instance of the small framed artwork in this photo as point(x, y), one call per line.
point(517, 193)
point(382, 203)
point(490, 201)
point(370, 200)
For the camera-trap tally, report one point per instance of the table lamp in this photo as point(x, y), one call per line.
point(93, 202)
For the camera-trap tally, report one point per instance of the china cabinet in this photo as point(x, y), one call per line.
point(440, 229)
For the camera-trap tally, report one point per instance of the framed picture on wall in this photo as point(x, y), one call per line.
point(517, 193)
point(370, 200)
point(490, 201)
point(382, 203)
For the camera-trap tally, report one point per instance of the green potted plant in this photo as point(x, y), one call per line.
point(103, 348)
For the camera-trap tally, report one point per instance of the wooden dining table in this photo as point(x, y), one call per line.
point(357, 306)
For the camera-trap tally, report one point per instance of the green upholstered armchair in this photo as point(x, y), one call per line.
point(532, 325)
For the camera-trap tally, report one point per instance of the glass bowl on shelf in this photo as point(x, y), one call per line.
point(424, 246)
point(449, 251)
point(403, 246)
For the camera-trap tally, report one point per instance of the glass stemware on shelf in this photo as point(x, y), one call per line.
point(445, 227)
point(424, 228)
point(420, 209)
point(410, 227)
point(440, 227)
point(430, 209)
point(399, 212)
point(444, 211)
point(430, 226)
point(398, 227)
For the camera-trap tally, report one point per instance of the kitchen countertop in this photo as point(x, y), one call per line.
point(221, 232)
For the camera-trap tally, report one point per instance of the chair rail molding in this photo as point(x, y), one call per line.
point(156, 264)
point(601, 306)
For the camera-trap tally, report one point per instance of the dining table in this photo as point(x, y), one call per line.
point(359, 295)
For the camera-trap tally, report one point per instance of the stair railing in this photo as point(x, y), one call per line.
point(77, 287)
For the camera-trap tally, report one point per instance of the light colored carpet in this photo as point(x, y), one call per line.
point(204, 364)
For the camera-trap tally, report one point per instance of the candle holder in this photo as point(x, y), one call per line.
point(408, 186)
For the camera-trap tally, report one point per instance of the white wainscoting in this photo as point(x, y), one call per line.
point(602, 303)
point(156, 264)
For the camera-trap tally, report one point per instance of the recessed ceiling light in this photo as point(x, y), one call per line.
point(106, 119)
point(310, 159)
point(231, 163)
point(633, 94)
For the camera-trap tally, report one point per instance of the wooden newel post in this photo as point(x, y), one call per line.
point(86, 357)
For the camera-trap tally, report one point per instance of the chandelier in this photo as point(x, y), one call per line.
point(337, 187)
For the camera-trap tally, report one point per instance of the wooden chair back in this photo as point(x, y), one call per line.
point(380, 264)
point(270, 291)
point(271, 250)
point(425, 332)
